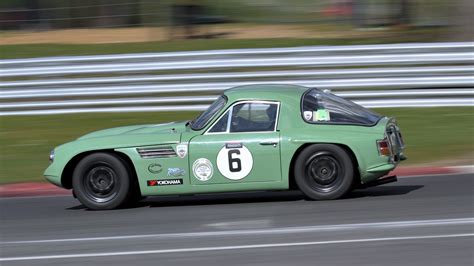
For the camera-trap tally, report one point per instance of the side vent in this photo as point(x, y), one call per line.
point(156, 152)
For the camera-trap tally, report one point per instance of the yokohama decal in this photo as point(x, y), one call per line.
point(166, 182)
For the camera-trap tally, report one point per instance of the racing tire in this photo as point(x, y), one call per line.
point(324, 172)
point(102, 181)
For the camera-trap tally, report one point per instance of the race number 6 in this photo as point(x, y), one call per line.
point(235, 165)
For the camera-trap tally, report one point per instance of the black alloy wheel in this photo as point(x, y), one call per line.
point(324, 171)
point(102, 181)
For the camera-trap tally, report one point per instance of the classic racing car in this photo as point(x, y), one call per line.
point(256, 137)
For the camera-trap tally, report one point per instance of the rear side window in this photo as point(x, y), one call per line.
point(326, 108)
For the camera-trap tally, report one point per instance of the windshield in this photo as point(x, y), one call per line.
point(326, 108)
point(201, 121)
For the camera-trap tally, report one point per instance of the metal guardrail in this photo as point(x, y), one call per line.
point(379, 72)
point(201, 107)
point(258, 51)
point(209, 87)
point(314, 61)
point(63, 85)
point(374, 95)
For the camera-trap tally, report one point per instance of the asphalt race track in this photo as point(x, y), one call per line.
point(416, 221)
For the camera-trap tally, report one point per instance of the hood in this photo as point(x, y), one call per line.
point(167, 128)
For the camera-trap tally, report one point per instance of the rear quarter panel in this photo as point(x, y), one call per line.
point(361, 140)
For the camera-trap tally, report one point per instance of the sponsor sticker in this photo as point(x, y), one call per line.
point(176, 172)
point(165, 182)
point(182, 150)
point(203, 169)
point(155, 168)
point(235, 145)
point(308, 115)
point(234, 162)
point(321, 115)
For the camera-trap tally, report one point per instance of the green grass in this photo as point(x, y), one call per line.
point(435, 134)
point(25, 141)
point(43, 50)
point(40, 50)
point(431, 134)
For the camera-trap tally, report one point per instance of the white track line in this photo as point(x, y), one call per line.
point(281, 230)
point(205, 249)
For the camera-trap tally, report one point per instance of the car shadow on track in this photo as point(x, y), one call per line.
point(213, 199)
point(224, 198)
point(392, 190)
point(258, 197)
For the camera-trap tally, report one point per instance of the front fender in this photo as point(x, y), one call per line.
point(67, 152)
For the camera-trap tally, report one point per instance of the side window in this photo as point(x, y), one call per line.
point(319, 107)
point(221, 125)
point(253, 117)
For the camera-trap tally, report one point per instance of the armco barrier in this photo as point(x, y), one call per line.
point(391, 75)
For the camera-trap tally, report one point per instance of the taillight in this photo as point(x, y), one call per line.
point(383, 147)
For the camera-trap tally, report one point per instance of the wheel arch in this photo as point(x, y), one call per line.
point(355, 163)
point(66, 176)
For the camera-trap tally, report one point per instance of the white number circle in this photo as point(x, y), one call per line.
point(234, 163)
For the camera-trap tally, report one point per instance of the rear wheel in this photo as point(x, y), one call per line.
point(101, 181)
point(324, 171)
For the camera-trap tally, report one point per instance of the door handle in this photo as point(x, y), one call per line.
point(269, 142)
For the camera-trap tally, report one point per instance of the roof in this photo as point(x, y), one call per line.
point(265, 91)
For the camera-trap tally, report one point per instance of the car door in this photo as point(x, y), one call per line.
point(242, 146)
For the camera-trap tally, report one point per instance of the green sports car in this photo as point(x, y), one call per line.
point(256, 137)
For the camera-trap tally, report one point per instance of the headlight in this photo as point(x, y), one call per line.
point(51, 156)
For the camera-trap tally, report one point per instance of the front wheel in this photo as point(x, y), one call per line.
point(101, 181)
point(324, 171)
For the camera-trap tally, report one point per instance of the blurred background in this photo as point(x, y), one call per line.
point(70, 67)
point(104, 21)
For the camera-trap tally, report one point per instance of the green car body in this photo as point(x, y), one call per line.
point(175, 159)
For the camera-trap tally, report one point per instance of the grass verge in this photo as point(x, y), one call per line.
point(431, 134)
point(44, 50)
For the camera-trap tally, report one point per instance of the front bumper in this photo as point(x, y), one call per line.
point(53, 175)
point(55, 180)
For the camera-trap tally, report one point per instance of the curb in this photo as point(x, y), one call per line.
point(35, 189)
point(31, 189)
point(418, 171)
